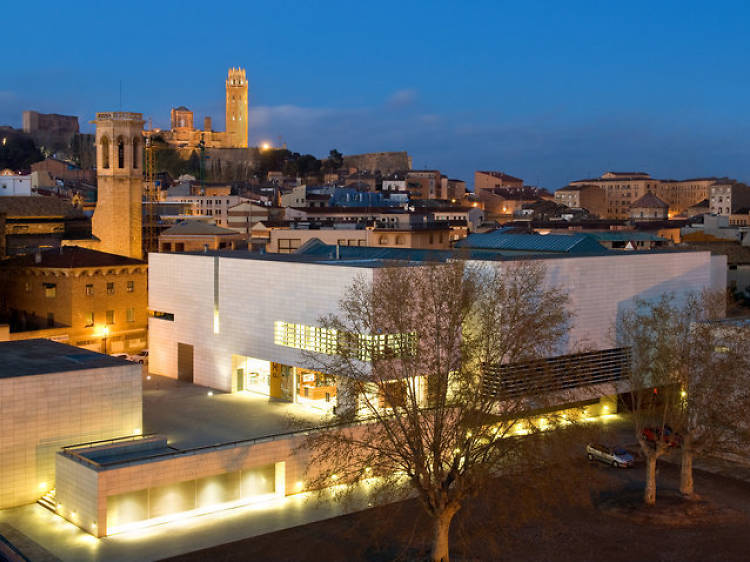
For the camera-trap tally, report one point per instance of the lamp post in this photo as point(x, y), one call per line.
point(105, 331)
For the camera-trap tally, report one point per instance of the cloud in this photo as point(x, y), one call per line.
point(264, 116)
point(402, 98)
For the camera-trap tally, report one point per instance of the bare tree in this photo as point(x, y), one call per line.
point(419, 361)
point(655, 399)
point(714, 381)
point(689, 380)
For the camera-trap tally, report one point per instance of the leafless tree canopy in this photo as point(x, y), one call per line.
point(689, 379)
point(414, 348)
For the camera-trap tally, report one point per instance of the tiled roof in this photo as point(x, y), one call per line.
point(67, 257)
point(649, 201)
point(500, 175)
point(625, 236)
point(37, 206)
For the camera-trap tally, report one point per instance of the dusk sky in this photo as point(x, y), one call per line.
point(547, 91)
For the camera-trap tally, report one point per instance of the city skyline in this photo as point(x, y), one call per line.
point(545, 93)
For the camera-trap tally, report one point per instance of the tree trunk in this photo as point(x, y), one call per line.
point(687, 487)
point(440, 543)
point(649, 495)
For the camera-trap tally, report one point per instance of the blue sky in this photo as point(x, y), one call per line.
point(548, 91)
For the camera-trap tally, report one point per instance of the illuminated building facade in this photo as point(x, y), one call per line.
point(183, 133)
point(83, 297)
point(51, 395)
point(208, 328)
point(118, 215)
point(214, 332)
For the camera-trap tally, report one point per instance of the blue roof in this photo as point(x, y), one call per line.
point(625, 236)
point(533, 243)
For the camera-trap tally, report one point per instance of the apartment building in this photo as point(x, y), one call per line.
point(728, 197)
point(424, 184)
point(621, 189)
point(87, 298)
point(585, 196)
point(493, 179)
point(214, 206)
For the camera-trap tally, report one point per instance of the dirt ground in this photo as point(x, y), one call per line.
point(581, 533)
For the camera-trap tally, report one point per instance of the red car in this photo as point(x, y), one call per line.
point(654, 434)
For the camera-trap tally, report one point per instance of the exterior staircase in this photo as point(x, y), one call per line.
point(48, 501)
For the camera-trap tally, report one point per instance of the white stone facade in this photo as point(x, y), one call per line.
point(254, 293)
point(42, 413)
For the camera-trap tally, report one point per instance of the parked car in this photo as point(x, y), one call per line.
point(654, 434)
point(615, 456)
point(140, 357)
point(120, 356)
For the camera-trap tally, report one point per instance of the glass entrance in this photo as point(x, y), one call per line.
point(252, 375)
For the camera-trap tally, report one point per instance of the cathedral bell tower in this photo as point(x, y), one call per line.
point(237, 107)
point(117, 219)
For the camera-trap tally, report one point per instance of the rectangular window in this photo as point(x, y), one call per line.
point(161, 315)
point(288, 245)
point(89, 319)
point(131, 286)
point(110, 317)
point(360, 346)
point(89, 289)
point(50, 290)
point(130, 315)
point(110, 288)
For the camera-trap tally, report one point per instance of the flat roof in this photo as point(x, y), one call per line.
point(42, 356)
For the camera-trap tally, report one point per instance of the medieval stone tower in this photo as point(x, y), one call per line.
point(117, 217)
point(237, 107)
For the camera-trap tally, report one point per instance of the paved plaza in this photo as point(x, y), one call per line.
point(195, 416)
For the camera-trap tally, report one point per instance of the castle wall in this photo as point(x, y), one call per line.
point(386, 162)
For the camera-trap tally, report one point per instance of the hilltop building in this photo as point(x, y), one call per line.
point(183, 134)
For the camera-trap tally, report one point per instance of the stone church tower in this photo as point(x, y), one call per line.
point(237, 107)
point(117, 217)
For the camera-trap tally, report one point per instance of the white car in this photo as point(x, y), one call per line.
point(615, 456)
point(140, 357)
point(120, 356)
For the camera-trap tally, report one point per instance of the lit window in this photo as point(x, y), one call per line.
point(89, 289)
point(130, 286)
point(330, 342)
point(161, 315)
point(50, 290)
point(89, 319)
point(110, 288)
